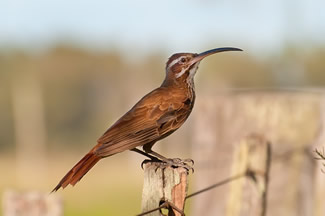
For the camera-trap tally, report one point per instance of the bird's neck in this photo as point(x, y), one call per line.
point(181, 84)
point(184, 82)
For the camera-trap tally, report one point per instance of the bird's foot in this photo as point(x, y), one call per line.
point(177, 162)
point(172, 162)
point(152, 159)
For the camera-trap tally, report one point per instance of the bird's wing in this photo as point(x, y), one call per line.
point(155, 116)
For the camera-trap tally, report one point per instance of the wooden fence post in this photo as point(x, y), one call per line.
point(31, 204)
point(248, 195)
point(164, 184)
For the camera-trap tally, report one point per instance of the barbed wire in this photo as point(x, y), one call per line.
point(320, 156)
point(166, 204)
point(248, 173)
point(220, 183)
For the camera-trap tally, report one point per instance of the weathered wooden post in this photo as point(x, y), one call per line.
point(248, 195)
point(164, 186)
point(31, 204)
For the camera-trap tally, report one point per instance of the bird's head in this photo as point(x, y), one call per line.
point(184, 65)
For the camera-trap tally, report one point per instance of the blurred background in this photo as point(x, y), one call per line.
point(69, 69)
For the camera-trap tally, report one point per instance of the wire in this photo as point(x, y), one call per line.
point(218, 184)
point(225, 181)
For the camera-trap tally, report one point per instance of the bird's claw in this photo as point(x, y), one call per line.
point(173, 162)
point(189, 160)
point(153, 159)
point(177, 162)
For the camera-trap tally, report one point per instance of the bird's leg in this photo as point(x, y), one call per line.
point(145, 154)
point(163, 158)
point(152, 158)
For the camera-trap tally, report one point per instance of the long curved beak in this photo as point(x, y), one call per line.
point(201, 56)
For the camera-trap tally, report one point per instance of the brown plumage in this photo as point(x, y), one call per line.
point(155, 116)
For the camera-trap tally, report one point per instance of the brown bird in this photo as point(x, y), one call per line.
point(156, 116)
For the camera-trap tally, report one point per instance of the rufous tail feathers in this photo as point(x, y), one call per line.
point(78, 171)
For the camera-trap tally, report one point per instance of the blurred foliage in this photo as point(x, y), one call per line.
point(84, 91)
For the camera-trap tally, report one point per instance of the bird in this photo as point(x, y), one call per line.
point(157, 115)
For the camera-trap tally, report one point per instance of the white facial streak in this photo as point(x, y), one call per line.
point(181, 73)
point(174, 62)
point(192, 71)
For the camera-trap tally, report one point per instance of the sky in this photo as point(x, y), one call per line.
point(170, 25)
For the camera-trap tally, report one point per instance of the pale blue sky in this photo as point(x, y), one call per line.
point(171, 25)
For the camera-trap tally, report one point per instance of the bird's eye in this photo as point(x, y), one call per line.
point(183, 60)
